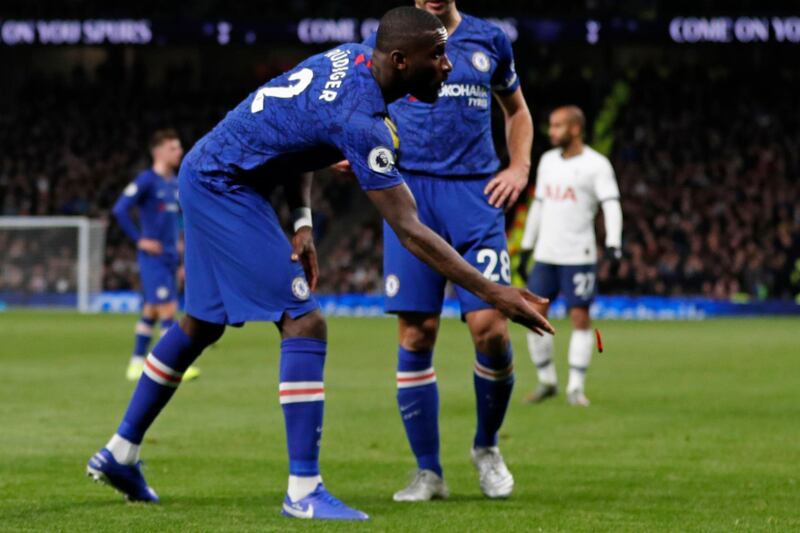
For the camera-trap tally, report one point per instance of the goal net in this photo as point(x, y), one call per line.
point(51, 261)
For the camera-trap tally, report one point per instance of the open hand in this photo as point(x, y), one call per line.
point(517, 305)
point(504, 189)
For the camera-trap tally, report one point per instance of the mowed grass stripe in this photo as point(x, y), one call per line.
point(693, 427)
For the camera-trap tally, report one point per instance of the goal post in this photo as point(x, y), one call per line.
point(51, 261)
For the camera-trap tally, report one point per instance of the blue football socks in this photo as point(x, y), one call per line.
point(302, 397)
point(163, 370)
point(494, 381)
point(418, 400)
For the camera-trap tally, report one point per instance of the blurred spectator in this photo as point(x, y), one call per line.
point(708, 167)
point(37, 261)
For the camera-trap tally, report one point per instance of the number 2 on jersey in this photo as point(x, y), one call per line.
point(302, 77)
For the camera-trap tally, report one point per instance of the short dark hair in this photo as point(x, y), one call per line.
point(401, 25)
point(574, 114)
point(160, 136)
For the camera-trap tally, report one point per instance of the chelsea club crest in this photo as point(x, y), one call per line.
point(392, 285)
point(481, 61)
point(300, 288)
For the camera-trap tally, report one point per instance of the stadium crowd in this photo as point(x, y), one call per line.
point(38, 261)
point(709, 179)
point(708, 170)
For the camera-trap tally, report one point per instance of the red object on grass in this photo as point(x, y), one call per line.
point(599, 340)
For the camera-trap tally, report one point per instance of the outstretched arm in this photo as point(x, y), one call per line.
point(397, 206)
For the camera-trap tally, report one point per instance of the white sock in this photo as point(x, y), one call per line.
point(581, 345)
point(302, 486)
point(124, 451)
point(541, 350)
point(137, 359)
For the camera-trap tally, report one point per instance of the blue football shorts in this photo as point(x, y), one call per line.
point(237, 257)
point(459, 211)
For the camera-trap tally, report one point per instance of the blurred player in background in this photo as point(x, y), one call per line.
point(572, 180)
point(240, 267)
point(448, 160)
point(154, 194)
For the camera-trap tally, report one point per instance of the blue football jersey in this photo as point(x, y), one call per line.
point(453, 136)
point(156, 200)
point(327, 108)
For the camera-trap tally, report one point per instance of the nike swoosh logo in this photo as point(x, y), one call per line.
point(404, 408)
point(412, 414)
point(298, 513)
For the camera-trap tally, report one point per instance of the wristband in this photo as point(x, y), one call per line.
point(301, 217)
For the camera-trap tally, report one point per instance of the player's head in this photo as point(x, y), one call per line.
point(440, 8)
point(411, 43)
point(165, 147)
point(567, 123)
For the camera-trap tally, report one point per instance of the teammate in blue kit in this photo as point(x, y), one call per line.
point(239, 265)
point(154, 195)
point(449, 162)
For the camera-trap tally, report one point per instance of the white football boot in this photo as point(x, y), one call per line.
point(426, 485)
point(495, 479)
point(578, 398)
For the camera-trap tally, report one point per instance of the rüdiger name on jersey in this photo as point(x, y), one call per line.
point(240, 265)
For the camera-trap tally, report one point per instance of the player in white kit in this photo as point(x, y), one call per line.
point(572, 181)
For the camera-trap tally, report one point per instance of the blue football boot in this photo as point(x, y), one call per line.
point(127, 479)
point(321, 505)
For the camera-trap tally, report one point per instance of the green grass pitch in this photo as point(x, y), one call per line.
point(695, 426)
